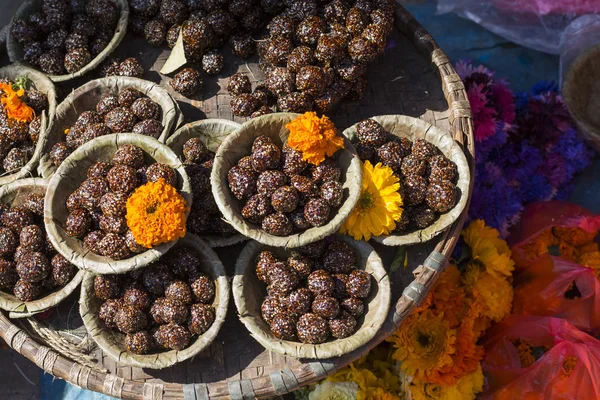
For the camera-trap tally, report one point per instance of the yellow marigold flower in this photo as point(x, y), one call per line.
point(487, 247)
point(329, 390)
point(574, 236)
point(16, 108)
point(495, 294)
point(381, 394)
point(466, 389)
point(538, 246)
point(314, 137)
point(424, 343)
point(156, 213)
point(379, 205)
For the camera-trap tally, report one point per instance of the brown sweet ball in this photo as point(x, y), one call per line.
point(116, 225)
point(340, 282)
point(122, 179)
point(27, 291)
point(421, 216)
point(441, 196)
point(238, 84)
point(391, 154)
point(179, 291)
point(92, 241)
point(301, 264)
point(309, 30)
point(8, 274)
point(257, 208)
point(305, 186)
point(272, 306)
point(107, 103)
point(91, 191)
point(194, 150)
point(132, 244)
point(285, 199)
point(174, 311)
point(131, 67)
point(402, 224)
point(277, 49)
point(8, 241)
point(300, 57)
point(332, 192)
point(282, 279)
point(113, 246)
point(299, 223)
point(130, 319)
point(314, 251)
point(188, 82)
point(263, 263)
point(128, 95)
point(108, 311)
point(157, 171)
point(330, 48)
point(157, 310)
point(411, 165)
point(283, 326)
point(269, 181)
point(107, 286)
point(415, 190)
point(184, 262)
point(129, 155)
point(78, 223)
point(266, 156)
point(139, 342)
point(16, 219)
point(144, 108)
point(316, 212)
point(342, 326)
point(359, 284)
point(353, 306)
point(442, 169)
point(363, 51)
point(295, 102)
point(277, 224)
point(32, 238)
point(242, 182)
point(299, 302)
point(202, 316)
point(326, 171)
point(356, 21)
point(320, 283)
point(281, 25)
point(242, 45)
point(137, 297)
point(62, 270)
point(113, 204)
point(34, 202)
point(280, 81)
point(424, 150)
point(263, 110)
point(351, 71)
point(203, 289)
point(340, 257)
point(293, 164)
point(59, 152)
point(312, 329)
point(326, 307)
point(244, 105)
point(120, 119)
point(99, 170)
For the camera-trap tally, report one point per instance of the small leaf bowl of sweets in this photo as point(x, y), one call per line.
point(430, 171)
point(117, 203)
point(115, 104)
point(33, 275)
point(161, 315)
point(285, 179)
point(196, 144)
point(321, 300)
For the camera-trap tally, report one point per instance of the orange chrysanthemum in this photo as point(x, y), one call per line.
point(448, 296)
point(16, 108)
point(314, 137)
point(156, 213)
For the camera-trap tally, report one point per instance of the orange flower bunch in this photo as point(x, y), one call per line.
point(15, 107)
point(314, 137)
point(156, 213)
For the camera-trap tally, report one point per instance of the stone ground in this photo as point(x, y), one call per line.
point(20, 379)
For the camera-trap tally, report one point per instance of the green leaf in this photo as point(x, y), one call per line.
point(21, 82)
point(400, 260)
point(177, 57)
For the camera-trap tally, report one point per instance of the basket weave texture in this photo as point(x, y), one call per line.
point(15, 50)
point(73, 171)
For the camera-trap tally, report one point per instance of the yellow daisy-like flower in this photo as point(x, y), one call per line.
point(487, 248)
point(314, 137)
point(156, 213)
point(379, 206)
point(466, 389)
point(494, 294)
point(329, 390)
point(381, 394)
point(424, 342)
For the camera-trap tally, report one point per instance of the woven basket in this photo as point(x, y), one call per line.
point(238, 145)
point(413, 129)
point(87, 96)
point(43, 84)
point(249, 293)
point(73, 171)
point(581, 92)
point(15, 50)
point(212, 132)
point(14, 195)
point(112, 343)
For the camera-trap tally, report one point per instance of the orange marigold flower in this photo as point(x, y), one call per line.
point(448, 296)
point(568, 365)
point(16, 108)
point(314, 137)
point(574, 236)
point(156, 213)
point(524, 350)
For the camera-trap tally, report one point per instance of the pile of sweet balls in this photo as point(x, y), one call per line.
point(161, 307)
point(316, 293)
point(30, 266)
point(205, 217)
point(282, 192)
point(97, 208)
point(128, 111)
point(64, 36)
point(427, 176)
point(18, 139)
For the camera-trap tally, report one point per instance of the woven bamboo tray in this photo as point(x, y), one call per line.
point(414, 77)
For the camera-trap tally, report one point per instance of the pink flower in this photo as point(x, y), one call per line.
point(483, 115)
point(505, 102)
